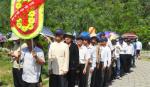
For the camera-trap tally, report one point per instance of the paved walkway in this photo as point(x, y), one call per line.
point(140, 77)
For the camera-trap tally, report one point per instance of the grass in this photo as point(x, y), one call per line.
point(6, 71)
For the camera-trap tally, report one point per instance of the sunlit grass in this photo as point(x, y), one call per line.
point(6, 72)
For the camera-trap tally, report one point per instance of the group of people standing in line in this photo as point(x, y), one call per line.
point(86, 60)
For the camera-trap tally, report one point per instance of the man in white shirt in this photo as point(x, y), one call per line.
point(93, 69)
point(58, 61)
point(103, 62)
point(92, 52)
point(122, 56)
point(84, 57)
point(129, 51)
point(33, 59)
point(116, 58)
point(138, 48)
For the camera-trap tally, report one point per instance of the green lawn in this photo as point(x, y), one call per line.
point(6, 74)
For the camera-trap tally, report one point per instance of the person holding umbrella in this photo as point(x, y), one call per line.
point(73, 59)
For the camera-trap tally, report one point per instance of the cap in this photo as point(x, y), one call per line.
point(103, 40)
point(59, 32)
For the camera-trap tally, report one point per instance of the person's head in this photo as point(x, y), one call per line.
point(79, 41)
point(128, 41)
point(114, 42)
point(86, 40)
point(103, 41)
point(59, 34)
point(102, 35)
point(29, 43)
point(68, 38)
point(94, 40)
point(121, 40)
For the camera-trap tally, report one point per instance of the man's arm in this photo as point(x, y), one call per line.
point(39, 57)
point(66, 60)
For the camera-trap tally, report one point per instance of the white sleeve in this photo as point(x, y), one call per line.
point(94, 57)
point(87, 54)
point(109, 57)
point(41, 55)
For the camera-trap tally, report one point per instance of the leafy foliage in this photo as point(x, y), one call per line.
point(105, 15)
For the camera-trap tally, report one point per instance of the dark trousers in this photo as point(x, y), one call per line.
point(25, 84)
point(17, 77)
point(97, 79)
point(58, 81)
point(71, 77)
point(133, 61)
point(122, 64)
point(128, 62)
point(107, 76)
point(83, 78)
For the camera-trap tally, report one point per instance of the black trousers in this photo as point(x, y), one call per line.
point(128, 62)
point(83, 78)
point(25, 84)
point(58, 81)
point(97, 79)
point(17, 77)
point(71, 77)
point(107, 76)
point(122, 64)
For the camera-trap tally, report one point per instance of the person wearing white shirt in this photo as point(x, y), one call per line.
point(92, 52)
point(122, 55)
point(84, 57)
point(129, 51)
point(138, 48)
point(116, 58)
point(104, 62)
point(33, 59)
point(58, 61)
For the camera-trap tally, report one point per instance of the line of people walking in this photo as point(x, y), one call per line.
point(86, 60)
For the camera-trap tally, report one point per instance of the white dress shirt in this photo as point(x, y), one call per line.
point(138, 45)
point(84, 54)
point(117, 51)
point(93, 56)
point(123, 46)
point(129, 49)
point(106, 56)
point(31, 69)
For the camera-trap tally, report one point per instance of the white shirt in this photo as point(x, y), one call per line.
point(84, 54)
point(116, 51)
point(90, 51)
point(109, 44)
point(105, 56)
point(58, 58)
point(129, 49)
point(93, 57)
point(138, 45)
point(123, 46)
point(31, 70)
